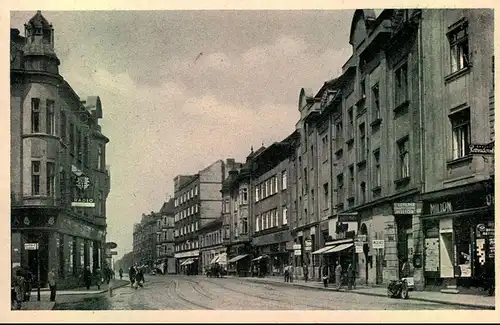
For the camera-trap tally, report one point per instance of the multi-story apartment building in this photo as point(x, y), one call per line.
point(211, 245)
point(270, 232)
point(197, 201)
point(59, 180)
point(457, 149)
point(395, 133)
point(144, 239)
point(236, 198)
point(165, 240)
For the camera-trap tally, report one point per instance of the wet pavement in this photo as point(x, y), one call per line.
point(198, 293)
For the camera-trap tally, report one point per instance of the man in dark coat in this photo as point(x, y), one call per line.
point(131, 274)
point(87, 277)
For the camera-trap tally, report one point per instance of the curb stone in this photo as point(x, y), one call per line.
point(477, 306)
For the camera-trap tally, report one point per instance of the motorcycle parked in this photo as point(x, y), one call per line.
point(398, 289)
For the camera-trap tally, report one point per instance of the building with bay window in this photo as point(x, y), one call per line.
point(165, 240)
point(59, 178)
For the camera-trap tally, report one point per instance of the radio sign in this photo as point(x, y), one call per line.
point(84, 194)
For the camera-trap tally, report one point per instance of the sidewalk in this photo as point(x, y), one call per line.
point(474, 301)
point(46, 304)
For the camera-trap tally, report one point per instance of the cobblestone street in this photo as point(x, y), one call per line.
point(182, 292)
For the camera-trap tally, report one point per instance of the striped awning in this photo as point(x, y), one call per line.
point(186, 262)
point(215, 259)
point(323, 250)
point(340, 247)
point(190, 261)
point(237, 258)
point(259, 258)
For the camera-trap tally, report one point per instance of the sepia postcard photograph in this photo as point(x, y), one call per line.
point(227, 159)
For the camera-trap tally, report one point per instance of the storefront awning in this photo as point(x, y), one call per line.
point(259, 258)
point(190, 261)
point(237, 258)
point(323, 250)
point(186, 261)
point(340, 248)
point(215, 259)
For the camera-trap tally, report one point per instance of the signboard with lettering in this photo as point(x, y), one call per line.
point(407, 208)
point(347, 217)
point(378, 244)
point(31, 246)
point(441, 207)
point(84, 194)
point(358, 247)
point(297, 252)
point(482, 149)
point(297, 246)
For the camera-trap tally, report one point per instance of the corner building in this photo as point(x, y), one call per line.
point(55, 140)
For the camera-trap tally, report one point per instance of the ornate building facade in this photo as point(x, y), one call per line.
point(59, 177)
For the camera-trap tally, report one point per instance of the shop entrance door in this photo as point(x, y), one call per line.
point(446, 255)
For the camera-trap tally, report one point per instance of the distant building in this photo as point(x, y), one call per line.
point(59, 178)
point(197, 202)
point(165, 241)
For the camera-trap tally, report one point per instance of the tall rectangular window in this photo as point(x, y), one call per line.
point(86, 150)
point(404, 158)
point(362, 192)
point(375, 102)
point(377, 177)
point(459, 47)
point(35, 178)
point(257, 193)
point(460, 123)
point(340, 188)
point(401, 84)
point(339, 130)
point(99, 158)
point(362, 88)
point(283, 180)
point(244, 195)
point(50, 178)
point(275, 179)
point(276, 217)
point(35, 115)
point(351, 181)
point(306, 185)
point(325, 196)
point(79, 143)
point(49, 125)
point(350, 129)
point(257, 223)
point(362, 142)
point(324, 148)
point(72, 142)
point(285, 215)
point(312, 201)
point(62, 131)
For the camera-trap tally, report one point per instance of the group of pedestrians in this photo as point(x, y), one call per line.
point(136, 276)
point(22, 285)
point(98, 276)
point(340, 276)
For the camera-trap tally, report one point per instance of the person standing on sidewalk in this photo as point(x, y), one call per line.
point(120, 271)
point(338, 275)
point(98, 277)
point(87, 277)
point(287, 273)
point(52, 284)
point(131, 274)
point(350, 277)
point(325, 275)
point(306, 272)
point(28, 280)
point(17, 290)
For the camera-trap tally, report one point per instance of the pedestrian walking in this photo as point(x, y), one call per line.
point(52, 279)
point(139, 277)
point(350, 277)
point(287, 273)
point(131, 275)
point(405, 268)
point(17, 290)
point(98, 277)
point(87, 277)
point(325, 275)
point(28, 283)
point(120, 271)
point(306, 272)
point(338, 275)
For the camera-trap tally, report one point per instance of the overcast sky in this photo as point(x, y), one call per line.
point(169, 110)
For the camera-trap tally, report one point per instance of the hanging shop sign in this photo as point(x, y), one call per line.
point(358, 246)
point(31, 246)
point(441, 207)
point(84, 194)
point(308, 245)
